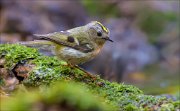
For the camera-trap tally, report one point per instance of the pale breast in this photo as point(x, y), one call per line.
point(74, 56)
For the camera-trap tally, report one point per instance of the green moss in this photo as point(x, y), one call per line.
point(130, 107)
point(59, 96)
point(48, 70)
point(15, 53)
point(176, 104)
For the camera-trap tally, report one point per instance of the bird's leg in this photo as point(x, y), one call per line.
point(70, 65)
point(87, 73)
point(90, 75)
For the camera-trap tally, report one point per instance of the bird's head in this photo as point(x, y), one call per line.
point(98, 32)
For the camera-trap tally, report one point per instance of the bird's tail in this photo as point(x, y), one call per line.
point(36, 43)
point(46, 47)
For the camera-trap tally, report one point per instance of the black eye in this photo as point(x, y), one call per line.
point(99, 34)
point(70, 39)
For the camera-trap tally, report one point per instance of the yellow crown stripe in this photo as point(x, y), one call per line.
point(103, 27)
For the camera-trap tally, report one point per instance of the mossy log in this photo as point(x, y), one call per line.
point(36, 82)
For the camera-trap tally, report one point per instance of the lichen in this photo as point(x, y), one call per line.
point(48, 70)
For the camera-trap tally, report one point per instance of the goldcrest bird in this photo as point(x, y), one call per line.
point(75, 46)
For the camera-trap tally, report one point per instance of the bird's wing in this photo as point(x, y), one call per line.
point(64, 38)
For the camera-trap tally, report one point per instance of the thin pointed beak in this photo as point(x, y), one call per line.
point(108, 39)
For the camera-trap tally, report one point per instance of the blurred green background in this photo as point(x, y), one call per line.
point(146, 48)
